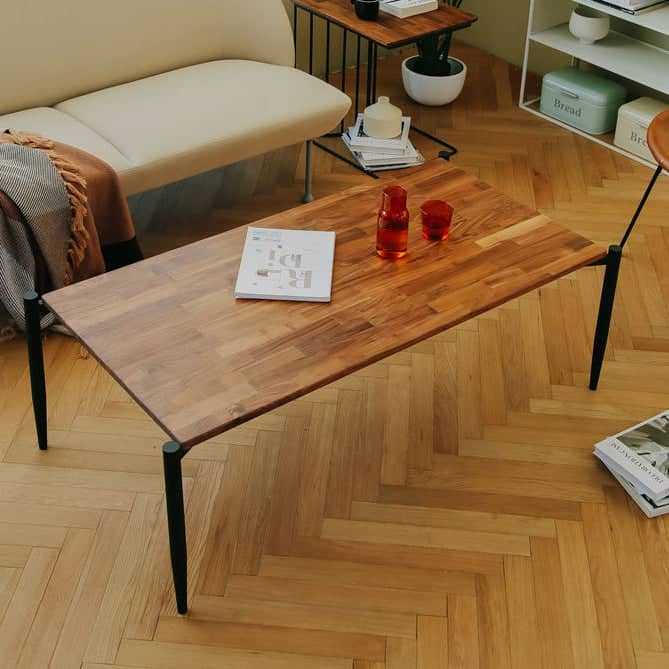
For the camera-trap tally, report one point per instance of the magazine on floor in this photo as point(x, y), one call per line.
point(640, 456)
point(281, 264)
point(362, 142)
point(373, 161)
point(646, 504)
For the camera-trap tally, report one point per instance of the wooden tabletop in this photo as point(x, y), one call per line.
point(200, 362)
point(387, 30)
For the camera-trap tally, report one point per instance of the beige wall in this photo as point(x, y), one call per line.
point(500, 29)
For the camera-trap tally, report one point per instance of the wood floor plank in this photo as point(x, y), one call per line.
point(226, 511)
point(268, 638)
point(20, 612)
point(258, 502)
point(161, 655)
point(113, 612)
point(395, 533)
point(396, 430)
point(304, 616)
point(51, 614)
point(479, 521)
point(524, 644)
point(337, 572)
point(432, 643)
point(579, 596)
point(552, 618)
point(91, 588)
point(641, 613)
point(614, 630)
point(371, 598)
point(315, 470)
point(463, 644)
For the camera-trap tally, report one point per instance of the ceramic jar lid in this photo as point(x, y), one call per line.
point(382, 120)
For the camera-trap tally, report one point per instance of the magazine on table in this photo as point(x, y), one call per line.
point(403, 9)
point(282, 264)
point(640, 455)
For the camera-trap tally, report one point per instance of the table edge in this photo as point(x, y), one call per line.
point(188, 443)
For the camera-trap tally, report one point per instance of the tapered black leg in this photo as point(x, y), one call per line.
point(605, 311)
point(176, 522)
point(31, 306)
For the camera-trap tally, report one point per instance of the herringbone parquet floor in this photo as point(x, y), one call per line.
point(440, 509)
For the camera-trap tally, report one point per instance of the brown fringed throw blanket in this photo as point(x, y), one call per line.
point(63, 218)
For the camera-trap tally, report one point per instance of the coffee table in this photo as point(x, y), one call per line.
point(199, 362)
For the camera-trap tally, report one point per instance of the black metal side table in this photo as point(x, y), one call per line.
point(387, 31)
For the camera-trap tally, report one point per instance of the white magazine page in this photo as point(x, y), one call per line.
point(641, 460)
point(286, 265)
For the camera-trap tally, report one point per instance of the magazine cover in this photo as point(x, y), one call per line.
point(286, 265)
point(642, 453)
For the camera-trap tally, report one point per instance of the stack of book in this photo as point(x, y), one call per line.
point(639, 459)
point(633, 6)
point(403, 9)
point(382, 154)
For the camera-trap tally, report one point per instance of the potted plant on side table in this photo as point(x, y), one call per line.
point(434, 77)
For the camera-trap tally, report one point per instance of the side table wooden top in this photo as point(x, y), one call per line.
point(200, 362)
point(388, 30)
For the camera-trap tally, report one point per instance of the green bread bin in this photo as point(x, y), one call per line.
point(584, 100)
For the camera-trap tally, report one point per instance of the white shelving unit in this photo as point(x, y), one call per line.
point(619, 53)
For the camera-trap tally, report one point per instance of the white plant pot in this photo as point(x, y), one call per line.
point(589, 25)
point(433, 91)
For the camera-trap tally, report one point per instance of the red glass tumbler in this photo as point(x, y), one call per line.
point(437, 216)
point(392, 229)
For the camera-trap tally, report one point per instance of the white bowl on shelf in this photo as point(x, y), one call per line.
point(589, 25)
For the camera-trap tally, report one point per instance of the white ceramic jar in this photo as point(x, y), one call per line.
point(382, 120)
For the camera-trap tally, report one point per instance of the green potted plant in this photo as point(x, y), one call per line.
point(434, 77)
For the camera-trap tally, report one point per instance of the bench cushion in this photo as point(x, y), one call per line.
point(60, 127)
point(174, 125)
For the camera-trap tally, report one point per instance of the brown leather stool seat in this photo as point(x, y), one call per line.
point(658, 139)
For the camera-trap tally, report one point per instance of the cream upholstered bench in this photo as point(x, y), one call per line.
point(161, 89)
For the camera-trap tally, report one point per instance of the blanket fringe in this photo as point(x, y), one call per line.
point(75, 186)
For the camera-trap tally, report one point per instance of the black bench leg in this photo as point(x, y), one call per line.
point(176, 522)
point(605, 311)
point(31, 306)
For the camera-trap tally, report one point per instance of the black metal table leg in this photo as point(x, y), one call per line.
point(357, 77)
point(343, 72)
point(311, 43)
point(375, 60)
point(32, 310)
point(176, 522)
point(612, 264)
point(370, 51)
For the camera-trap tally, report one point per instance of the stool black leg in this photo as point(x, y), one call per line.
point(605, 311)
point(176, 522)
point(31, 307)
point(642, 204)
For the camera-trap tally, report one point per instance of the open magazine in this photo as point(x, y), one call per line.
point(639, 459)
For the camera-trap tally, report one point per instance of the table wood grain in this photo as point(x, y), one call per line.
point(200, 362)
point(387, 30)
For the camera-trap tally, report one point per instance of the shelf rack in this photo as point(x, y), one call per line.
point(619, 53)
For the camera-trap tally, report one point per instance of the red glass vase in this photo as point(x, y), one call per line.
point(392, 229)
